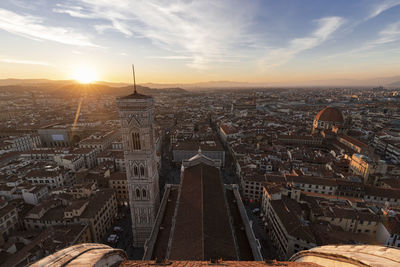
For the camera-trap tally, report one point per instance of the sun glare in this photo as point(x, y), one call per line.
point(85, 75)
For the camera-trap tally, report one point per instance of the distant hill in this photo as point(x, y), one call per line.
point(392, 81)
point(33, 81)
point(395, 84)
point(379, 81)
point(73, 88)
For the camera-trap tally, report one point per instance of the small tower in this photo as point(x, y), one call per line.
point(137, 120)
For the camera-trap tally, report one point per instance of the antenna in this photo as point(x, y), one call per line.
point(134, 79)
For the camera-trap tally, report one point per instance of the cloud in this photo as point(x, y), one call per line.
point(382, 6)
point(204, 31)
point(390, 34)
point(172, 57)
point(279, 56)
point(27, 62)
point(34, 28)
point(230, 59)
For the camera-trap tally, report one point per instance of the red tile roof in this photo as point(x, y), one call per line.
point(202, 229)
point(331, 114)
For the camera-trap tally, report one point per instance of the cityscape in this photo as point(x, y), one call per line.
point(241, 170)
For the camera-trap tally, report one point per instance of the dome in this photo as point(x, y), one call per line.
point(331, 114)
point(86, 254)
point(349, 255)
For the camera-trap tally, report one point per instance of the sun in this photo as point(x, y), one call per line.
point(85, 75)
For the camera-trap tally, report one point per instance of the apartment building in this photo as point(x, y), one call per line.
point(100, 141)
point(97, 211)
point(53, 178)
point(8, 220)
point(365, 167)
point(119, 183)
point(35, 193)
point(73, 162)
point(286, 227)
point(88, 155)
point(20, 142)
point(351, 220)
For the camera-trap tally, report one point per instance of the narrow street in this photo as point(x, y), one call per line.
point(125, 236)
point(229, 177)
point(169, 173)
point(260, 231)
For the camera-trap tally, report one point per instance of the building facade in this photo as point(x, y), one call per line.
point(185, 150)
point(98, 211)
point(138, 136)
point(284, 223)
point(328, 119)
point(34, 194)
point(365, 167)
point(8, 220)
point(119, 183)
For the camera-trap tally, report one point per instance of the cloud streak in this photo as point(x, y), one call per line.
point(279, 56)
point(34, 28)
point(204, 31)
point(389, 34)
point(381, 7)
point(25, 62)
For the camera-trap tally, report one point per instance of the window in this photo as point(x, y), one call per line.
point(144, 193)
point(136, 141)
point(137, 193)
point(135, 171)
point(141, 171)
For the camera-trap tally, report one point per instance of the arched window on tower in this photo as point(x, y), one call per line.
point(144, 193)
point(142, 171)
point(135, 141)
point(137, 192)
point(135, 170)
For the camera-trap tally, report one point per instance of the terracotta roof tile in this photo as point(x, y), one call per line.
point(202, 229)
point(331, 114)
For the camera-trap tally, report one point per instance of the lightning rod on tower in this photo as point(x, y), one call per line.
point(134, 79)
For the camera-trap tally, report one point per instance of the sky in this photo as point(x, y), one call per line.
point(197, 41)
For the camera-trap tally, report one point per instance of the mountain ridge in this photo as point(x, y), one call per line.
point(392, 81)
point(76, 89)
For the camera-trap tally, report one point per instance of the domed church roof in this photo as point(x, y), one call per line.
point(330, 114)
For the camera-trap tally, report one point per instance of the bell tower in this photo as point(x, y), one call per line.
point(137, 121)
